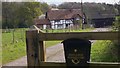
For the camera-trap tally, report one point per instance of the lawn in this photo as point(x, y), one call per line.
point(14, 50)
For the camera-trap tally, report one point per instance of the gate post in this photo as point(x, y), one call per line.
point(35, 49)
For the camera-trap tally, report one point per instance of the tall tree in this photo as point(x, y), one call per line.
point(53, 5)
point(117, 6)
point(44, 7)
point(21, 14)
point(27, 12)
point(9, 14)
point(116, 25)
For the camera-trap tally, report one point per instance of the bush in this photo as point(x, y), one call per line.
point(116, 24)
point(105, 51)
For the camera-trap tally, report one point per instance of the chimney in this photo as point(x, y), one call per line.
point(46, 15)
point(70, 10)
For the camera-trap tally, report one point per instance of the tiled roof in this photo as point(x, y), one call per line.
point(98, 11)
point(42, 22)
point(57, 15)
point(63, 14)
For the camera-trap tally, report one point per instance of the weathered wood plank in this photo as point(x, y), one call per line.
point(30, 36)
point(81, 35)
point(91, 64)
point(42, 50)
point(39, 31)
point(35, 48)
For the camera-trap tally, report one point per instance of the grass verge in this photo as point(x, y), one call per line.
point(104, 51)
point(12, 50)
point(67, 30)
point(51, 43)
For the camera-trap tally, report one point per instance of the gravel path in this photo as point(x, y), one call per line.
point(53, 54)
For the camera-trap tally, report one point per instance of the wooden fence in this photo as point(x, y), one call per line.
point(36, 48)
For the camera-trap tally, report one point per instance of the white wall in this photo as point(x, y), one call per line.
point(60, 24)
point(44, 26)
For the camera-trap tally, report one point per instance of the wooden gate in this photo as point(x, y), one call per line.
point(36, 49)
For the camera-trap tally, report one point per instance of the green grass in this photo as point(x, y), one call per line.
point(104, 51)
point(67, 30)
point(0, 53)
point(51, 43)
point(0, 47)
point(10, 50)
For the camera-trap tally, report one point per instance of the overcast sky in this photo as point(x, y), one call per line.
point(97, 1)
point(61, 1)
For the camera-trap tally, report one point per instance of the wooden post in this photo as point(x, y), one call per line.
point(32, 48)
point(92, 64)
point(35, 49)
point(41, 51)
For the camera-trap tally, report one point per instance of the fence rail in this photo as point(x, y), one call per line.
point(81, 35)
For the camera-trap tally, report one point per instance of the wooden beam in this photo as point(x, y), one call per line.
point(81, 35)
point(38, 29)
point(91, 64)
point(42, 51)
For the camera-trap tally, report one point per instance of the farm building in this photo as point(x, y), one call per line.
point(99, 15)
point(98, 19)
point(60, 19)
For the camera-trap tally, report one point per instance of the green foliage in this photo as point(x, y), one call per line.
point(101, 7)
point(117, 6)
point(51, 43)
point(44, 7)
point(91, 10)
point(116, 24)
point(104, 51)
point(28, 12)
point(21, 14)
point(8, 14)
